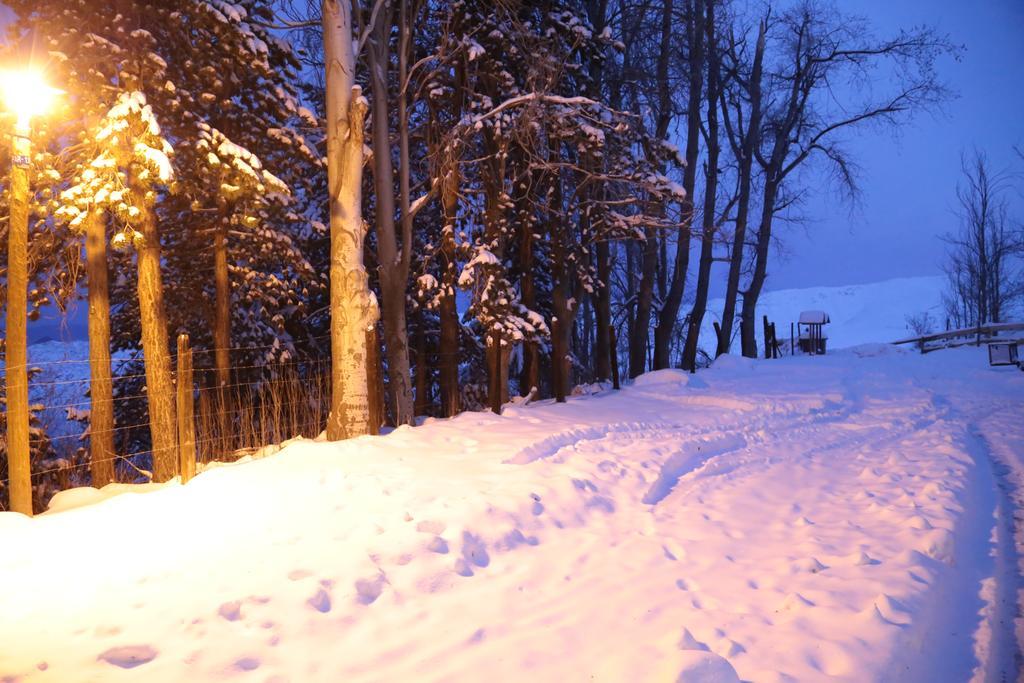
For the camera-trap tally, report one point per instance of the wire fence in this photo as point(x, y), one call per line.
point(263, 404)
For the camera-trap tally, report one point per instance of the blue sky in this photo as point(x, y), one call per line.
point(908, 179)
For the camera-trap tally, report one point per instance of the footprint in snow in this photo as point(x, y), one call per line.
point(672, 551)
point(474, 551)
point(320, 601)
point(726, 647)
point(129, 656)
point(232, 611)
point(794, 601)
point(808, 565)
point(688, 642)
point(368, 590)
point(862, 559)
point(919, 522)
point(891, 610)
point(247, 664)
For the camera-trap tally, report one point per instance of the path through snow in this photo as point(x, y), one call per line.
point(802, 519)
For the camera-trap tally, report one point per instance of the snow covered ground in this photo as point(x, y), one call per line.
point(860, 314)
point(843, 517)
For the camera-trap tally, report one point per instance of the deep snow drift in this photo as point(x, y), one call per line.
point(801, 519)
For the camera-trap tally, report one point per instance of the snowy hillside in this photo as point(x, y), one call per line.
point(860, 314)
point(802, 519)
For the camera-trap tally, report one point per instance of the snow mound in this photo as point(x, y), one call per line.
point(659, 377)
point(82, 496)
point(734, 362)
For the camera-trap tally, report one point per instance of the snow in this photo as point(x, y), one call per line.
point(809, 518)
point(814, 317)
point(859, 314)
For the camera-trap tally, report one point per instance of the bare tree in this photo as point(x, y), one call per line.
point(983, 283)
point(708, 227)
point(816, 48)
point(681, 263)
point(741, 107)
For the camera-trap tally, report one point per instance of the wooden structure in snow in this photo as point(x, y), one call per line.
point(1003, 353)
point(812, 336)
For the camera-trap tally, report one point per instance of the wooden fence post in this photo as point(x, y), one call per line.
point(767, 338)
point(792, 348)
point(613, 349)
point(186, 410)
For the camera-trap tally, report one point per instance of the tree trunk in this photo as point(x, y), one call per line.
point(222, 309)
point(530, 376)
point(159, 382)
point(597, 12)
point(448, 362)
point(753, 292)
point(645, 295)
point(751, 139)
point(394, 270)
point(353, 309)
point(101, 390)
point(421, 405)
point(670, 308)
point(19, 464)
point(602, 312)
point(708, 228)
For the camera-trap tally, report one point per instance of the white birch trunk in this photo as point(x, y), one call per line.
point(353, 307)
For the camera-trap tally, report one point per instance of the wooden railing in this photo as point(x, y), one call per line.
point(967, 335)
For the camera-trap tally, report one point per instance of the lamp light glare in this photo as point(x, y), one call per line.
point(26, 94)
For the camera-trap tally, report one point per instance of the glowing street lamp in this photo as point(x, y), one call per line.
point(27, 95)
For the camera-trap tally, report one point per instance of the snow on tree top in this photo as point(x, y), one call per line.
point(245, 163)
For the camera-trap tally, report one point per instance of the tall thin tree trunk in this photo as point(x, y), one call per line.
point(745, 155)
point(597, 12)
point(602, 312)
point(222, 309)
point(394, 270)
point(19, 463)
point(670, 307)
point(748, 313)
point(708, 228)
point(644, 298)
point(352, 307)
point(159, 382)
point(562, 308)
point(422, 374)
point(530, 376)
point(448, 361)
point(101, 389)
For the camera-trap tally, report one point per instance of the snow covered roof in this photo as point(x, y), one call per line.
point(814, 317)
